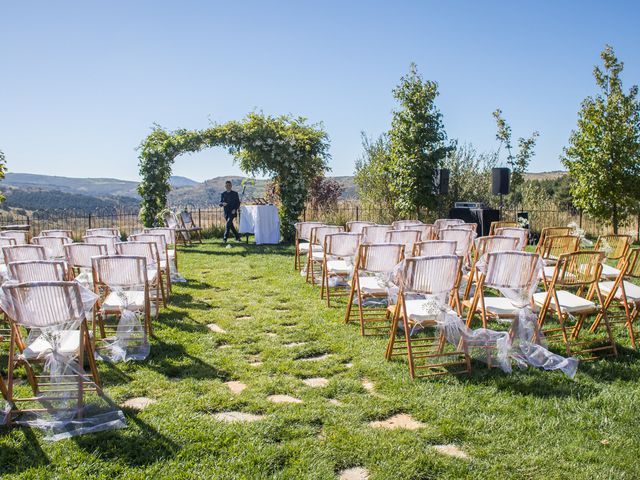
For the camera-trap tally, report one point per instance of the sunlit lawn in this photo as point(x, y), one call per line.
point(532, 424)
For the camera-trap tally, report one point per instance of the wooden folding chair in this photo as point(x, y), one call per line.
point(303, 235)
point(187, 223)
point(57, 233)
point(163, 252)
point(54, 246)
point(19, 253)
point(553, 247)
point(20, 236)
point(37, 271)
point(102, 231)
point(615, 248)
point(522, 234)
point(430, 248)
point(375, 233)
point(315, 257)
point(148, 250)
point(428, 232)
point(426, 276)
point(122, 276)
point(483, 246)
point(622, 300)
point(500, 224)
point(171, 239)
point(46, 306)
point(506, 270)
point(78, 256)
point(373, 262)
point(577, 272)
point(442, 223)
point(340, 251)
point(357, 226)
point(464, 239)
point(551, 232)
point(109, 241)
point(405, 224)
point(406, 237)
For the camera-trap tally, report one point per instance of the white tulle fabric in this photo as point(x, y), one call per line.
point(53, 313)
point(125, 278)
point(514, 274)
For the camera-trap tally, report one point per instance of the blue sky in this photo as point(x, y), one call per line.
point(81, 83)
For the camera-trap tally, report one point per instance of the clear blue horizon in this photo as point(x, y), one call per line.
point(83, 82)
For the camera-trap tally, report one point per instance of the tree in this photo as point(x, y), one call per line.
point(372, 175)
point(3, 171)
point(518, 163)
point(417, 144)
point(603, 156)
point(469, 175)
point(324, 193)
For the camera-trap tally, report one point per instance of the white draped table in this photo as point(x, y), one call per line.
point(262, 221)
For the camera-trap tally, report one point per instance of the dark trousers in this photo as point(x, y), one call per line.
point(229, 227)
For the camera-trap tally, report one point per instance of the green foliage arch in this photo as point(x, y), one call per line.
point(287, 149)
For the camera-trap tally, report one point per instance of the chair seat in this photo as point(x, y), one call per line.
point(317, 256)
point(609, 272)
point(371, 286)
point(339, 267)
point(134, 298)
point(69, 344)
point(303, 247)
point(631, 290)
point(569, 303)
point(500, 306)
point(416, 312)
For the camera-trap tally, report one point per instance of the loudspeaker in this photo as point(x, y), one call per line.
point(500, 181)
point(442, 174)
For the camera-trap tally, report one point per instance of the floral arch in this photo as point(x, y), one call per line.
point(287, 149)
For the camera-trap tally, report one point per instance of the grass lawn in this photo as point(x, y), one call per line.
point(532, 424)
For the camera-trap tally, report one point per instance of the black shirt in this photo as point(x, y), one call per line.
point(232, 201)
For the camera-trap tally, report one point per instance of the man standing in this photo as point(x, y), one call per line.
point(230, 201)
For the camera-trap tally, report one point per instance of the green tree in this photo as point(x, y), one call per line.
point(372, 176)
point(518, 162)
point(3, 171)
point(417, 144)
point(603, 156)
point(469, 175)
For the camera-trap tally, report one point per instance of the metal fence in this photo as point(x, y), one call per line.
point(210, 218)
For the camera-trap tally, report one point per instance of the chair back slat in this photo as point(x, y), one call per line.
point(556, 245)
point(443, 223)
point(375, 233)
point(462, 237)
point(120, 271)
point(407, 237)
point(614, 247)
point(431, 248)
point(148, 250)
point(577, 269)
point(430, 275)
point(318, 233)
point(79, 254)
point(169, 233)
point(342, 244)
point(54, 245)
point(495, 243)
point(512, 270)
point(380, 257)
point(109, 241)
point(522, 234)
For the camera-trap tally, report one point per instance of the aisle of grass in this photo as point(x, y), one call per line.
point(532, 424)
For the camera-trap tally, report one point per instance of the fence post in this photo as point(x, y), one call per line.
point(200, 218)
point(357, 213)
point(580, 221)
point(90, 220)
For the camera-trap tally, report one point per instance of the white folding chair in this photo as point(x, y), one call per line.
point(54, 246)
point(375, 233)
point(357, 226)
point(464, 239)
point(406, 237)
point(443, 223)
point(57, 233)
point(430, 248)
point(148, 250)
point(371, 275)
point(171, 239)
point(432, 280)
point(20, 236)
point(78, 256)
point(56, 310)
point(315, 257)
point(405, 224)
point(109, 241)
point(303, 235)
point(37, 271)
point(102, 231)
point(340, 250)
point(522, 234)
point(19, 253)
point(163, 252)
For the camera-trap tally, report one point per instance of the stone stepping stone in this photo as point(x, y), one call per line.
point(255, 364)
point(138, 403)
point(232, 417)
point(368, 385)
point(452, 451)
point(235, 387)
point(316, 382)
point(401, 420)
point(348, 365)
point(335, 402)
point(244, 317)
point(224, 345)
point(283, 399)
point(216, 328)
point(294, 344)
point(272, 335)
point(355, 473)
point(316, 358)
